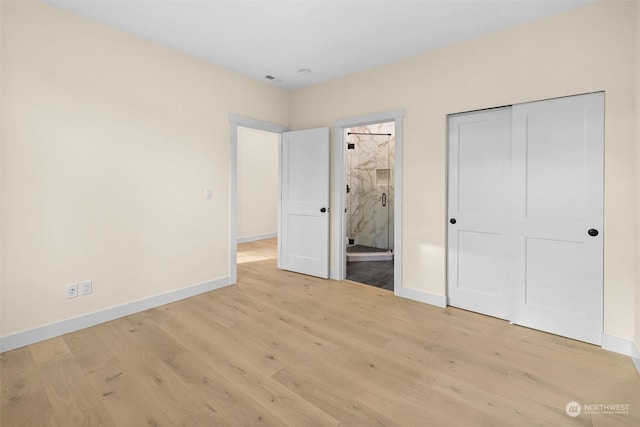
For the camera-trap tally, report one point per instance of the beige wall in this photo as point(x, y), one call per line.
point(589, 49)
point(109, 144)
point(258, 154)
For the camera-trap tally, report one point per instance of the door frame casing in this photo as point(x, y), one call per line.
point(236, 121)
point(339, 195)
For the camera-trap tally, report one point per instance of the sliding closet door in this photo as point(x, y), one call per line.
point(557, 235)
point(479, 170)
point(526, 200)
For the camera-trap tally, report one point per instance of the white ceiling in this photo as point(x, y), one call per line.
point(331, 38)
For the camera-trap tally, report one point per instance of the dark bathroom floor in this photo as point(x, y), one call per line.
point(374, 273)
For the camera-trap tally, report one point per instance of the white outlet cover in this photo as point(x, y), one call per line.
point(72, 290)
point(86, 287)
point(208, 194)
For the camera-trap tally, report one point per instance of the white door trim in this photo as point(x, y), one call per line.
point(339, 196)
point(236, 121)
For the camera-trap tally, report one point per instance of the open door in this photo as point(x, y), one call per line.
point(304, 202)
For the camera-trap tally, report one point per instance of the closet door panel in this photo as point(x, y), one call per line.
point(558, 159)
point(479, 162)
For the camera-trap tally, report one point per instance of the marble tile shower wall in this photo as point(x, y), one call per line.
point(370, 174)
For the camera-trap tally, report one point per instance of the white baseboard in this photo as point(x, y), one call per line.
point(41, 333)
point(425, 297)
point(635, 356)
point(622, 346)
point(617, 344)
point(256, 237)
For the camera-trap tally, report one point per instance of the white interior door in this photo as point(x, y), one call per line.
point(558, 160)
point(479, 170)
point(304, 208)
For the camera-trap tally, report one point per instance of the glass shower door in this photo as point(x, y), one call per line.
point(369, 195)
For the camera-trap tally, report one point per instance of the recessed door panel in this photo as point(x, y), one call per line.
point(555, 164)
point(480, 263)
point(480, 167)
point(553, 276)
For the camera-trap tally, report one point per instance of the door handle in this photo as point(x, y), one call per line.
point(592, 232)
point(323, 210)
point(452, 221)
point(384, 199)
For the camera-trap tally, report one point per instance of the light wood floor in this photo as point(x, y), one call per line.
point(284, 349)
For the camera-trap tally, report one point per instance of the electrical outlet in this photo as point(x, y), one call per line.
point(208, 194)
point(86, 287)
point(72, 290)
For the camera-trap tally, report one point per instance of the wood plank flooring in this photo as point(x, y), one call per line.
point(281, 349)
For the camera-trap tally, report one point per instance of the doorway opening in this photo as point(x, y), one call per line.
point(370, 155)
point(237, 123)
point(339, 243)
point(257, 192)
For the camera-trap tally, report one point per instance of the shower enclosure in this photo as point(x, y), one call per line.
point(370, 193)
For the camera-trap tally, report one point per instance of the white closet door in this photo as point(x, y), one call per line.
point(479, 169)
point(558, 158)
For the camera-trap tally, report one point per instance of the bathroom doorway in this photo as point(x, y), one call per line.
point(369, 160)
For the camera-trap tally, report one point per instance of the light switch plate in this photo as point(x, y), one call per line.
point(86, 287)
